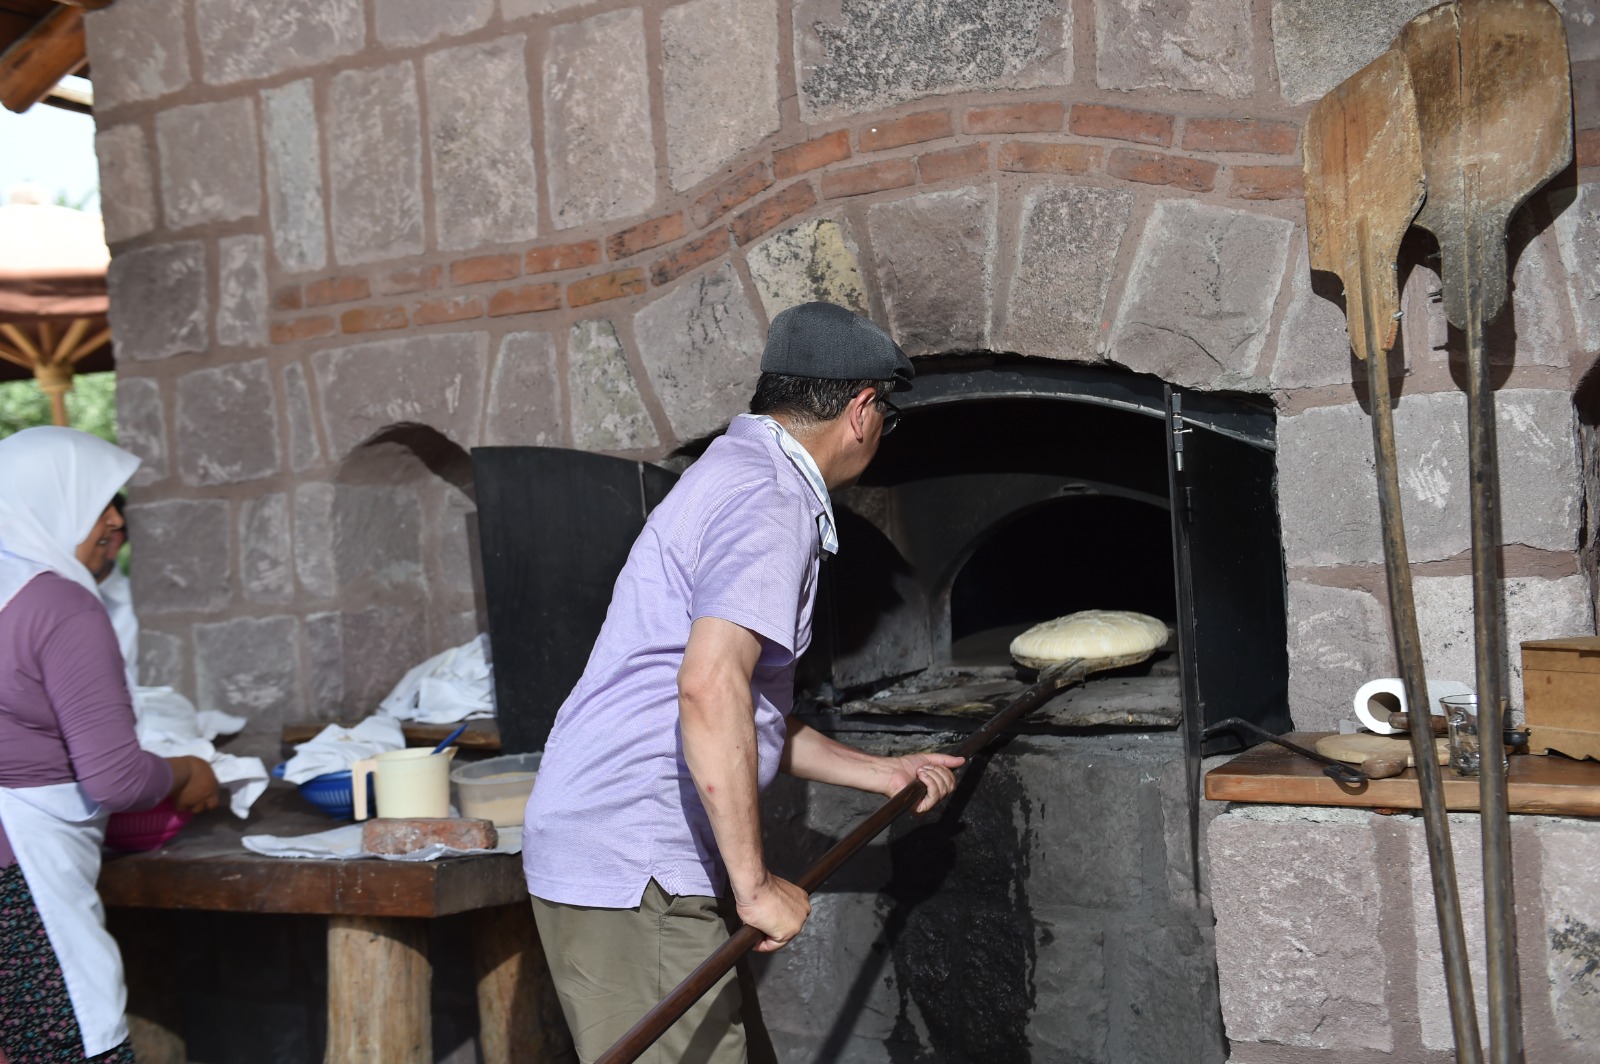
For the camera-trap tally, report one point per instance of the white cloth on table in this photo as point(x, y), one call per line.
point(168, 725)
point(450, 687)
point(344, 843)
point(336, 748)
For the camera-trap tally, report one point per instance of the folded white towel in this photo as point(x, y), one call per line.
point(335, 748)
point(344, 843)
point(168, 725)
point(453, 686)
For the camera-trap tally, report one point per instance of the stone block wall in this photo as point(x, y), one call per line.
point(1327, 945)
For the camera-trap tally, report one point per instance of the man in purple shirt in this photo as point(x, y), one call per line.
point(646, 811)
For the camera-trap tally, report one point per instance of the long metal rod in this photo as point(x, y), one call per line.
point(654, 1024)
point(1499, 903)
point(1408, 652)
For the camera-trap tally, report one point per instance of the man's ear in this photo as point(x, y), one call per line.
point(857, 412)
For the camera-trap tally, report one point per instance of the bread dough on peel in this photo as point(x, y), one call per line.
point(1090, 634)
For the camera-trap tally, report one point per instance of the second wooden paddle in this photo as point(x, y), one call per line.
point(1494, 104)
point(1364, 183)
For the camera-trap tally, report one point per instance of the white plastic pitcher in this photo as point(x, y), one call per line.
point(410, 783)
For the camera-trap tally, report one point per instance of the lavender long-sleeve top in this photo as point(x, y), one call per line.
point(65, 713)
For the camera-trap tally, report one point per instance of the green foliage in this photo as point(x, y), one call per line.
point(91, 405)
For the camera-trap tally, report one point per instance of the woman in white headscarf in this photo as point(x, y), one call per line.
point(68, 754)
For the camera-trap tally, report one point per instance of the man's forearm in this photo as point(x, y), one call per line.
point(719, 745)
point(810, 755)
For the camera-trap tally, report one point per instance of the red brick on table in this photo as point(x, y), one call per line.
point(1588, 147)
point(290, 298)
point(562, 257)
point(811, 155)
point(394, 835)
point(644, 236)
point(954, 162)
point(1032, 157)
point(436, 311)
point(1120, 123)
point(482, 268)
point(1267, 182)
point(404, 282)
point(695, 253)
point(874, 177)
point(725, 195)
point(525, 299)
point(912, 129)
point(615, 285)
point(796, 199)
point(288, 332)
point(1258, 135)
point(331, 290)
point(1045, 116)
point(373, 319)
point(1156, 168)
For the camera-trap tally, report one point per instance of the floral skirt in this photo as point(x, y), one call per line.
point(37, 1024)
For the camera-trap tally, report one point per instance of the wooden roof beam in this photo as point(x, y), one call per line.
point(34, 63)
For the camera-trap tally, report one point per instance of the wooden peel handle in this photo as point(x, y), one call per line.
point(1402, 722)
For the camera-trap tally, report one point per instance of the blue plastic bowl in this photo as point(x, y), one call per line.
point(331, 793)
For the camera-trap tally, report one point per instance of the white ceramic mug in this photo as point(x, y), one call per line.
point(409, 783)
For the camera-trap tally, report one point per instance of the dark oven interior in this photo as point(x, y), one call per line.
point(1012, 492)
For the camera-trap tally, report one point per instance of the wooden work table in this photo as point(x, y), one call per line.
point(379, 976)
point(1546, 784)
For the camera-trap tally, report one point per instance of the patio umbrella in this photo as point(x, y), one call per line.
point(52, 296)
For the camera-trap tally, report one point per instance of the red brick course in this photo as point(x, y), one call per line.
point(874, 177)
point(404, 282)
point(726, 195)
point(482, 268)
point(1267, 182)
point(372, 319)
point(644, 236)
point(953, 162)
point(1026, 157)
point(288, 332)
point(614, 285)
point(562, 257)
point(525, 299)
point(912, 129)
point(1044, 117)
point(1256, 135)
point(337, 290)
point(695, 253)
point(798, 197)
point(1154, 168)
point(1121, 123)
point(814, 153)
point(290, 298)
point(435, 311)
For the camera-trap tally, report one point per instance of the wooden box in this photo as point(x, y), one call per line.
point(1561, 695)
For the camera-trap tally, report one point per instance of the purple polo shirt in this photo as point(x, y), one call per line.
point(614, 805)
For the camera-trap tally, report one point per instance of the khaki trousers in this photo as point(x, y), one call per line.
point(611, 966)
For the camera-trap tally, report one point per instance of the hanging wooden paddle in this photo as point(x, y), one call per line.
point(1494, 105)
point(1364, 183)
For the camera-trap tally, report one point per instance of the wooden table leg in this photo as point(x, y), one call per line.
point(379, 981)
point(519, 1018)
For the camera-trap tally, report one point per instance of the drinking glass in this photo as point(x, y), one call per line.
point(1461, 719)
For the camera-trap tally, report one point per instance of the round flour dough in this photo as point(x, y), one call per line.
point(1089, 634)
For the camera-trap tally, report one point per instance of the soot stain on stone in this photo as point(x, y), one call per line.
point(960, 927)
point(1581, 943)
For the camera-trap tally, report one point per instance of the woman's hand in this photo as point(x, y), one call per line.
point(934, 770)
point(194, 785)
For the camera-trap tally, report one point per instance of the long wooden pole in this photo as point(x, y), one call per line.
point(642, 1035)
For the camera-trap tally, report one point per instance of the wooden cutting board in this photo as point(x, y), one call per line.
point(1267, 773)
point(1359, 746)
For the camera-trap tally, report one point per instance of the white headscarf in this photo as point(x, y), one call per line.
point(54, 485)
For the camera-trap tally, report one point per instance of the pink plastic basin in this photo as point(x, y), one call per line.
point(148, 829)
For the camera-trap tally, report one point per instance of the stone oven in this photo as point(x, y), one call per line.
point(355, 240)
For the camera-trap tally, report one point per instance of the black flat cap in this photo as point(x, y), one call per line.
point(830, 342)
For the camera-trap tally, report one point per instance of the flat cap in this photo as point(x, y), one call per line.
point(830, 342)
